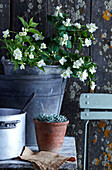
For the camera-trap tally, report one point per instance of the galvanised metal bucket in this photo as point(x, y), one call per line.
point(49, 92)
point(12, 133)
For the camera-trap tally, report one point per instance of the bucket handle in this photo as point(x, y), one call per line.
point(8, 124)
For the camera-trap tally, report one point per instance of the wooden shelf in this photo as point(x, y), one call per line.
point(68, 149)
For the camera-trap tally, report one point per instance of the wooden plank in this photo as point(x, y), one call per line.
point(4, 23)
point(68, 149)
point(28, 9)
point(96, 101)
point(101, 50)
point(102, 55)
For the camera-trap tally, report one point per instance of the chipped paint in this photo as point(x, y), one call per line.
point(107, 132)
point(107, 15)
point(74, 89)
point(95, 161)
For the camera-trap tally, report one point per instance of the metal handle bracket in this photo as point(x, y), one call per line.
point(8, 124)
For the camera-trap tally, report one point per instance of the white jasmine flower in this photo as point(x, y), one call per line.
point(65, 36)
point(92, 85)
point(17, 54)
point(67, 22)
point(60, 38)
point(82, 75)
point(70, 37)
point(26, 30)
point(76, 51)
point(37, 37)
point(41, 37)
point(78, 25)
point(32, 48)
point(41, 63)
point(43, 46)
point(68, 72)
point(22, 67)
point(65, 42)
point(26, 53)
point(81, 61)
point(17, 51)
point(5, 33)
point(24, 33)
point(85, 75)
point(88, 42)
point(21, 33)
point(62, 60)
point(64, 75)
point(78, 63)
point(62, 41)
point(58, 7)
point(56, 13)
point(92, 27)
point(61, 14)
point(18, 57)
point(92, 70)
point(31, 56)
point(23, 29)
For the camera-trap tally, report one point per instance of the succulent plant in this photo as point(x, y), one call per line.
point(50, 118)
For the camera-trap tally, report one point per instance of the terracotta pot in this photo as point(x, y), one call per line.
point(50, 136)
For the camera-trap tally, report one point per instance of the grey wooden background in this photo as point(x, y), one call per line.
point(83, 11)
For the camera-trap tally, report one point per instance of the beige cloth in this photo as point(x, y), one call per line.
point(44, 160)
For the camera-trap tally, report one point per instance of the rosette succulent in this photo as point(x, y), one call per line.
point(52, 118)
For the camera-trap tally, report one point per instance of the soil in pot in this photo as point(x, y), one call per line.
point(50, 136)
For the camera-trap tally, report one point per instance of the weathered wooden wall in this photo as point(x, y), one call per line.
point(84, 11)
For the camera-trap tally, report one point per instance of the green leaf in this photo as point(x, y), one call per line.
point(20, 40)
point(31, 20)
point(69, 44)
point(61, 28)
point(55, 47)
point(3, 47)
point(72, 28)
point(52, 19)
point(16, 65)
point(65, 15)
point(57, 57)
point(17, 36)
point(62, 52)
point(84, 33)
point(32, 30)
point(75, 76)
point(27, 39)
point(23, 22)
point(42, 68)
point(87, 59)
point(44, 53)
point(34, 24)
